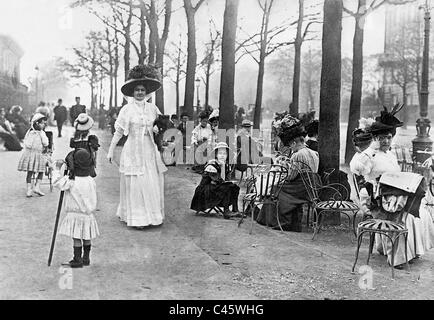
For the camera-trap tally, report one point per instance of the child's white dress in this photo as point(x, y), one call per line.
point(79, 204)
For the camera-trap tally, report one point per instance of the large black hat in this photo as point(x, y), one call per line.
point(389, 118)
point(82, 162)
point(145, 75)
point(291, 133)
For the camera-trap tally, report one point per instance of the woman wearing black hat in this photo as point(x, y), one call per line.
point(377, 160)
point(293, 193)
point(141, 167)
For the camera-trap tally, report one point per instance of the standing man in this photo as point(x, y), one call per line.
point(76, 110)
point(60, 116)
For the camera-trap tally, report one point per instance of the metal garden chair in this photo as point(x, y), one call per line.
point(266, 186)
point(335, 201)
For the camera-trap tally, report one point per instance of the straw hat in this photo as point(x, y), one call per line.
point(246, 123)
point(37, 117)
point(83, 122)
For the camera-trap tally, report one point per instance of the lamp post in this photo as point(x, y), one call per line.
point(197, 94)
point(422, 142)
point(37, 84)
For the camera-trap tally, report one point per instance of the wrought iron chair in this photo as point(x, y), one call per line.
point(336, 201)
point(392, 230)
point(266, 187)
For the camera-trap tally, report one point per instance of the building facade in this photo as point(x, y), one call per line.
point(12, 91)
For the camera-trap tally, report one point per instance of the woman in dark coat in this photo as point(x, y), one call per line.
point(21, 125)
point(214, 190)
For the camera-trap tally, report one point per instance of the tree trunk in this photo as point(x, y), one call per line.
point(357, 82)
point(330, 91)
point(227, 79)
point(259, 92)
point(191, 62)
point(297, 61)
point(116, 68)
point(109, 48)
point(127, 44)
point(142, 55)
point(405, 109)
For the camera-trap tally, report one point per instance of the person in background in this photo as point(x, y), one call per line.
point(101, 116)
point(201, 134)
point(214, 122)
point(19, 123)
point(60, 116)
point(113, 115)
point(33, 160)
point(239, 117)
point(312, 135)
point(174, 120)
point(11, 142)
point(76, 110)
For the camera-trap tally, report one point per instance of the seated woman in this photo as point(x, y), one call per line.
point(214, 190)
point(376, 160)
point(293, 193)
point(11, 142)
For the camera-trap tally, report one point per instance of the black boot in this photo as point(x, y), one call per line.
point(86, 253)
point(77, 261)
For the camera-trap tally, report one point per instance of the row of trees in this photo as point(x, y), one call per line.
point(142, 27)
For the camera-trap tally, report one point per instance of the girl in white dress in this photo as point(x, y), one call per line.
point(80, 204)
point(141, 168)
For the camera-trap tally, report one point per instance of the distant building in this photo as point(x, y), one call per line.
point(406, 23)
point(12, 91)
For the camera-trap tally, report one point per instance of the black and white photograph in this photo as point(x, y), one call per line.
point(217, 155)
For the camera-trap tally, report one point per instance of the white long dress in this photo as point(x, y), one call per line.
point(141, 168)
point(371, 164)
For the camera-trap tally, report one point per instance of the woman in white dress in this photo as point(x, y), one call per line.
point(141, 167)
point(376, 160)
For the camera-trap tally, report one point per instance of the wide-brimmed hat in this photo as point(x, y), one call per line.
point(83, 122)
point(389, 118)
point(378, 128)
point(214, 115)
point(221, 145)
point(44, 110)
point(145, 75)
point(246, 123)
point(38, 117)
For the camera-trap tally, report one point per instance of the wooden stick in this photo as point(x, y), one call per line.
point(59, 209)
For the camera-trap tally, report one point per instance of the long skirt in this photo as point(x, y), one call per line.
point(207, 196)
point(291, 198)
point(420, 235)
point(80, 204)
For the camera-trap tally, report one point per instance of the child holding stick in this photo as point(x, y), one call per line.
point(80, 203)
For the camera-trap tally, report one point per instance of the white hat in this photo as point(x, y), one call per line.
point(37, 117)
point(83, 122)
point(214, 114)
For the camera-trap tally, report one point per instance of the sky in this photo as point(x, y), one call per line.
point(47, 28)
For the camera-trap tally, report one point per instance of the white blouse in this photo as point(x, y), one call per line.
point(136, 120)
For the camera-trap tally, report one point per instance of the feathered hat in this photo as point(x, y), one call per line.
point(289, 128)
point(387, 122)
point(214, 115)
point(362, 135)
point(145, 75)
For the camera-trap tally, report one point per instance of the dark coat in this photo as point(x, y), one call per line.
point(60, 114)
point(75, 111)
